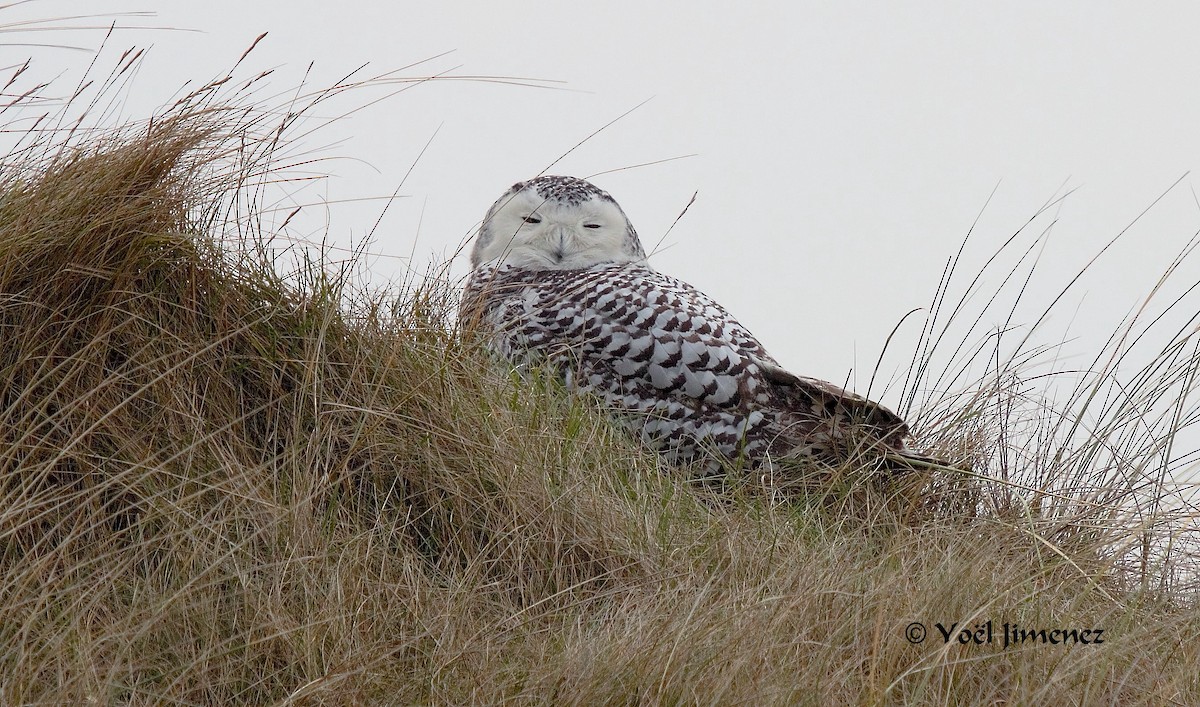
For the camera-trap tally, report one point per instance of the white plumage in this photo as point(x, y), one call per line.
point(558, 274)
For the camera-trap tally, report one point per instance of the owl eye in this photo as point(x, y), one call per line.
point(591, 225)
point(532, 219)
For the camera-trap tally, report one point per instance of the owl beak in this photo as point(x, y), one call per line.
point(560, 250)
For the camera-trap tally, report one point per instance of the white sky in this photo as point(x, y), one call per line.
point(843, 149)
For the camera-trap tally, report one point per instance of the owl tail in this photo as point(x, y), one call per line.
point(866, 428)
point(824, 402)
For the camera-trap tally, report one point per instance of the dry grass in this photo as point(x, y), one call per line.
point(220, 485)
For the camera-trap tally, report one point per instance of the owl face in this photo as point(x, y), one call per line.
point(555, 223)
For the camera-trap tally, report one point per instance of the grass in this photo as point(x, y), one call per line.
point(225, 482)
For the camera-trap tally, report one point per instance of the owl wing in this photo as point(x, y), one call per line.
point(764, 384)
point(685, 346)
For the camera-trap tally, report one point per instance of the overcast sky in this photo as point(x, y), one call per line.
point(842, 150)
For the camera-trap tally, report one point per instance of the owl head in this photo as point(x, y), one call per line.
point(555, 223)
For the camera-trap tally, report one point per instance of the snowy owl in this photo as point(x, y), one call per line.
point(559, 275)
